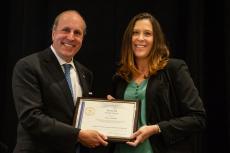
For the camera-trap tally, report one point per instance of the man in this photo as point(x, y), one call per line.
point(45, 98)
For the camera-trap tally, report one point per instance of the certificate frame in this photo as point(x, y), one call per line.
point(107, 117)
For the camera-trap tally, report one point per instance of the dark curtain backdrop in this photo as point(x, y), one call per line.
point(197, 31)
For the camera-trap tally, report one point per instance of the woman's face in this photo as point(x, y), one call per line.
point(142, 38)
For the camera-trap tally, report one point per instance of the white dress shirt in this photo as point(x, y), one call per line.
point(77, 90)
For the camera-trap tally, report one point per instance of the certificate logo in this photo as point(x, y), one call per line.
point(89, 111)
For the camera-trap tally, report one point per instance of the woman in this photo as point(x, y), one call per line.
point(172, 114)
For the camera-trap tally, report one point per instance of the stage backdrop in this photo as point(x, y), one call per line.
point(196, 30)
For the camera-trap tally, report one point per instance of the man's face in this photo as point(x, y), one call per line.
point(68, 35)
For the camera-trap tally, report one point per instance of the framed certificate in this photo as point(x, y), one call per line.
point(117, 119)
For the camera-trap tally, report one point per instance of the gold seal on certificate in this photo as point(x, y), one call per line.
point(90, 111)
point(117, 119)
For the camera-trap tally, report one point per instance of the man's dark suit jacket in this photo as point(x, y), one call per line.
point(44, 104)
point(174, 104)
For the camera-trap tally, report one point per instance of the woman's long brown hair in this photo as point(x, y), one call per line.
point(159, 54)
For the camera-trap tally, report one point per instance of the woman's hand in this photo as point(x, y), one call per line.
point(143, 133)
point(109, 97)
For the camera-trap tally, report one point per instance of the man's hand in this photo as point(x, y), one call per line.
point(92, 138)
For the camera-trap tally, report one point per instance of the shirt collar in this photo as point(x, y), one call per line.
point(60, 60)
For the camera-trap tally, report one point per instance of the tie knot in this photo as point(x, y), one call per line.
point(67, 67)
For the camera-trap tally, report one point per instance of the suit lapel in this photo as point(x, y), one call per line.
point(152, 97)
point(82, 79)
point(157, 92)
point(55, 70)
